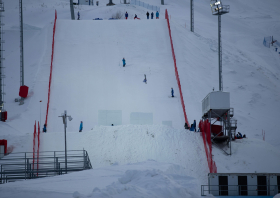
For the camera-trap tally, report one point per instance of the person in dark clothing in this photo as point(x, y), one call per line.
point(135, 17)
point(123, 60)
point(145, 79)
point(45, 128)
point(186, 126)
point(172, 93)
point(78, 15)
point(126, 15)
point(152, 15)
point(194, 125)
point(147, 15)
point(239, 135)
point(81, 127)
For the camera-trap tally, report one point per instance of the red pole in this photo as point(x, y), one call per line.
point(34, 136)
point(38, 147)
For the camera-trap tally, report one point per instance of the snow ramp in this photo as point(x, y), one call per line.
point(89, 78)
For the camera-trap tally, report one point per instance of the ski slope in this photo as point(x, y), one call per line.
point(88, 75)
point(133, 160)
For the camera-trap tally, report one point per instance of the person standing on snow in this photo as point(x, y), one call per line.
point(81, 127)
point(157, 15)
point(123, 60)
point(45, 128)
point(126, 15)
point(194, 125)
point(172, 92)
point(152, 15)
point(78, 15)
point(147, 15)
point(145, 79)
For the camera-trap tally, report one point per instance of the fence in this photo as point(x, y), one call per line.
point(50, 79)
point(204, 127)
point(18, 166)
point(145, 5)
point(176, 70)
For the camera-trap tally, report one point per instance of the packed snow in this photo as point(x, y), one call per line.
point(88, 77)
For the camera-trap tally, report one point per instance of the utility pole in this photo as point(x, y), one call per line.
point(1, 61)
point(21, 45)
point(72, 10)
point(192, 16)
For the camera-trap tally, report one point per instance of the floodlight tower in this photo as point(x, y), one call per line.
point(192, 17)
point(72, 10)
point(219, 9)
point(1, 63)
point(21, 45)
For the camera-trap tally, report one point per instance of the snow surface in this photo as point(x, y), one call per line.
point(134, 160)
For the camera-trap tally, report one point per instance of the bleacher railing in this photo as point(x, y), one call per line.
point(20, 166)
point(145, 5)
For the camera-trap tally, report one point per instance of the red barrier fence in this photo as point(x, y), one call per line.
point(34, 146)
point(38, 147)
point(50, 79)
point(176, 70)
point(206, 136)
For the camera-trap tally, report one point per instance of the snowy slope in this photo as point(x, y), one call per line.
point(88, 66)
point(250, 74)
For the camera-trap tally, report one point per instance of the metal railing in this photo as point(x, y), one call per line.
point(238, 190)
point(22, 166)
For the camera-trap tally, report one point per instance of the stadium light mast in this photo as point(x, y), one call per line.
point(192, 16)
point(72, 10)
point(1, 62)
point(21, 46)
point(219, 9)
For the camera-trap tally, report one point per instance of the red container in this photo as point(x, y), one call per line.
point(23, 91)
point(4, 116)
point(4, 142)
point(216, 129)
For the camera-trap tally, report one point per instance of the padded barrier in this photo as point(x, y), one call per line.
point(176, 70)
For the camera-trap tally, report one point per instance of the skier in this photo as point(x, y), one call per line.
point(45, 128)
point(157, 15)
point(147, 15)
point(145, 80)
point(135, 17)
point(78, 15)
point(81, 126)
point(126, 15)
point(172, 93)
point(152, 15)
point(123, 60)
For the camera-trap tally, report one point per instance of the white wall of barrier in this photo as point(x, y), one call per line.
point(145, 5)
